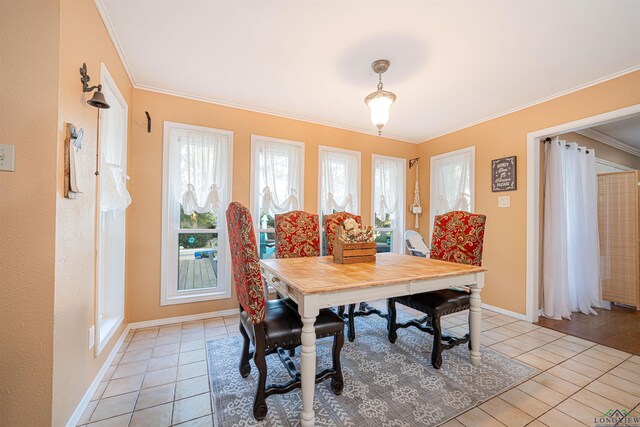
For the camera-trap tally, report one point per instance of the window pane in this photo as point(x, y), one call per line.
point(267, 245)
point(384, 242)
point(198, 220)
point(197, 260)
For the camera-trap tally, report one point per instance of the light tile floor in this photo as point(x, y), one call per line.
point(159, 377)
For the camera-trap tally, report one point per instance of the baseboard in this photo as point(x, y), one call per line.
point(505, 312)
point(75, 417)
point(181, 319)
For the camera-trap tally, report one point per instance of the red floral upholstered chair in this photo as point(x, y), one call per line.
point(457, 237)
point(271, 326)
point(331, 222)
point(297, 235)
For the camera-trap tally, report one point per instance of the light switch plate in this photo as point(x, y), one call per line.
point(504, 201)
point(7, 157)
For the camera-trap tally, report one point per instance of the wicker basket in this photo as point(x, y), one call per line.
point(351, 253)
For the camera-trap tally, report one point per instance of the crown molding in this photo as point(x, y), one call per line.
point(610, 141)
point(114, 39)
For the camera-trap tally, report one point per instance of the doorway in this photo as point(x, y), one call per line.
point(614, 320)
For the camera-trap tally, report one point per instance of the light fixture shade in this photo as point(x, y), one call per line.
point(379, 102)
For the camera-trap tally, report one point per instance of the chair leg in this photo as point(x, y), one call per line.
point(260, 404)
point(469, 325)
point(337, 382)
point(436, 352)
point(391, 321)
point(341, 311)
point(245, 367)
point(352, 326)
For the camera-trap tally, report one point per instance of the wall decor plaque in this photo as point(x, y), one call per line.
point(503, 174)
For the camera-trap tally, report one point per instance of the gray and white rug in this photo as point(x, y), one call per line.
point(391, 385)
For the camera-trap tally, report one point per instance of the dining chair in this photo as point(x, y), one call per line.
point(331, 223)
point(271, 326)
point(297, 235)
point(457, 237)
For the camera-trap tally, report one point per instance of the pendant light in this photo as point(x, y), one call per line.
point(380, 101)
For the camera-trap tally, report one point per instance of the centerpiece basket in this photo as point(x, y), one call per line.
point(354, 243)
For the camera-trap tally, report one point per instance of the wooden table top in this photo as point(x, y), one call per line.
point(312, 275)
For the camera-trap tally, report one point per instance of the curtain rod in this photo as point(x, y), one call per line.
point(566, 146)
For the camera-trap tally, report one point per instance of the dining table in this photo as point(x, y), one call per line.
point(319, 282)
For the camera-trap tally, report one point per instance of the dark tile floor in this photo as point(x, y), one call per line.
point(618, 328)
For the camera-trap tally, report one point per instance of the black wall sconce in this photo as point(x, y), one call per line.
point(97, 100)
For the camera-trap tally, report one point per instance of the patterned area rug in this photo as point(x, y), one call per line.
point(385, 384)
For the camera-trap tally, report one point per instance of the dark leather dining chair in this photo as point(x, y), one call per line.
point(271, 326)
point(457, 237)
point(331, 222)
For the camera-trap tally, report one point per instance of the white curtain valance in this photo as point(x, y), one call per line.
point(387, 189)
point(340, 174)
point(202, 170)
point(279, 175)
point(452, 176)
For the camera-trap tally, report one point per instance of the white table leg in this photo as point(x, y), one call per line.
point(308, 370)
point(475, 324)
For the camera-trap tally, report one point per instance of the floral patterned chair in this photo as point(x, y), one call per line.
point(297, 235)
point(271, 326)
point(331, 222)
point(457, 237)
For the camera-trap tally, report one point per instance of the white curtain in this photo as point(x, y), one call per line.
point(278, 177)
point(387, 187)
point(571, 255)
point(452, 183)
point(202, 170)
point(340, 181)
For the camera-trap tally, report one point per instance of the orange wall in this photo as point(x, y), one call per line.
point(505, 238)
point(29, 99)
point(83, 38)
point(145, 169)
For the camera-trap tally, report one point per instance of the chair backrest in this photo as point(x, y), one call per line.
point(245, 261)
point(458, 237)
point(415, 243)
point(297, 235)
point(330, 223)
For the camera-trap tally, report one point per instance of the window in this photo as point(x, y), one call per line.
point(389, 190)
point(277, 185)
point(196, 192)
point(339, 181)
point(452, 183)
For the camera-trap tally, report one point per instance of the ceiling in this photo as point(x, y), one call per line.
point(626, 130)
point(452, 63)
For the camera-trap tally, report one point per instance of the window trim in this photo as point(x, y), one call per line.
point(403, 216)
point(254, 141)
point(168, 295)
point(472, 181)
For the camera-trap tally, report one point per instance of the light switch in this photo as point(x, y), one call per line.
point(7, 157)
point(504, 201)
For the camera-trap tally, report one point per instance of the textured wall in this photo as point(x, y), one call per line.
point(75, 366)
point(28, 105)
point(505, 238)
point(146, 180)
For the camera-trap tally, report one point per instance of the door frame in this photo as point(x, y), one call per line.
point(533, 195)
point(107, 81)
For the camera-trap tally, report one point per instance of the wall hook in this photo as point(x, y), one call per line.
point(148, 122)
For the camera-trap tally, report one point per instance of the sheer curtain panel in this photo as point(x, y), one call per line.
point(571, 256)
point(340, 181)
